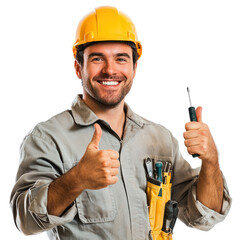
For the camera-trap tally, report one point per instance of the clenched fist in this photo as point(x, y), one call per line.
point(98, 168)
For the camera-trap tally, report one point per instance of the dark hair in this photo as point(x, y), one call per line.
point(80, 50)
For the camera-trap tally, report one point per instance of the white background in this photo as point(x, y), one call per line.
point(185, 43)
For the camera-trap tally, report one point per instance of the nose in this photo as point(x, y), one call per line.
point(109, 68)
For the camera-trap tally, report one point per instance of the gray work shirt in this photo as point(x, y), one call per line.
point(119, 211)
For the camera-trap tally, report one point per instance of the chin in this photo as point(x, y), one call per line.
point(109, 103)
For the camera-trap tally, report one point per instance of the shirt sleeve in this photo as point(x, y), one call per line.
point(40, 165)
point(207, 218)
point(191, 211)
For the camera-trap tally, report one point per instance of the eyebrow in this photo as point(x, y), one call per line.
point(94, 54)
point(123, 55)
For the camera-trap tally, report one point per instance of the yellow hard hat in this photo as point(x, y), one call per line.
point(106, 24)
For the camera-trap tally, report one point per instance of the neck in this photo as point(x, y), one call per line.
point(114, 116)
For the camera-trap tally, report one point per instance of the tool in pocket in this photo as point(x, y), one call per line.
point(162, 210)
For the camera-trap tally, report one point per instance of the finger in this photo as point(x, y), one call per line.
point(190, 134)
point(191, 142)
point(114, 171)
point(194, 150)
point(110, 178)
point(192, 126)
point(199, 114)
point(115, 163)
point(96, 137)
point(113, 180)
point(113, 154)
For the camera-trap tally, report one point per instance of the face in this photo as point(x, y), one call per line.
point(107, 73)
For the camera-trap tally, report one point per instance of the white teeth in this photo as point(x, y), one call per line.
point(109, 83)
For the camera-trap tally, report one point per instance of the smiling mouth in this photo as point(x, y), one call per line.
point(109, 83)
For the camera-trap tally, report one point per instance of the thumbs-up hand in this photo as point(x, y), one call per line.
point(198, 140)
point(98, 168)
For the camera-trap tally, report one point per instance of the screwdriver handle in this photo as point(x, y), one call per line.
point(192, 114)
point(193, 118)
point(158, 166)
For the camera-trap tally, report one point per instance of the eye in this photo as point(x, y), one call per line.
point(122, 59)
point(96, 59)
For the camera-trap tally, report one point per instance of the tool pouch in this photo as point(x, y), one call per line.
point(158, 195)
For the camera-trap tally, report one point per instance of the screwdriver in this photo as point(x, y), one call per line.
point(158, 166)
point(192, 114)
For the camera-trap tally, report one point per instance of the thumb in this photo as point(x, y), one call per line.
point(199, 114)
point(96, 137)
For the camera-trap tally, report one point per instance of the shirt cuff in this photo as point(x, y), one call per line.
point(203, 217)
point(38, 207)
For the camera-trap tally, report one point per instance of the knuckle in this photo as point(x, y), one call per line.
point(114, 154)
point(105, 172)
point(185, 134)
point(204, 148)
point(102, 154)
point(204, 132)
point(187, 126)
point(105, 163)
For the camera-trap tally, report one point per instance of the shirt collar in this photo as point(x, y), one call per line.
point(84, 116)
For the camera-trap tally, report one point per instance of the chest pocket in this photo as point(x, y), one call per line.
point(96, 205)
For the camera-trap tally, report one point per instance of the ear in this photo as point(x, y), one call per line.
point(135, 69)
point(77, 69)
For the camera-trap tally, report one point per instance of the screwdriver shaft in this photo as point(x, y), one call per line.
point(188, 90)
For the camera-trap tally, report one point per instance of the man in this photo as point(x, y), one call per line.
point(82, 174)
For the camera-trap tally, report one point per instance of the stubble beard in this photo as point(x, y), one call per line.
point(110, 99)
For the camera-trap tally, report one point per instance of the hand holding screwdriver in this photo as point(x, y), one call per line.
point(198, 139)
